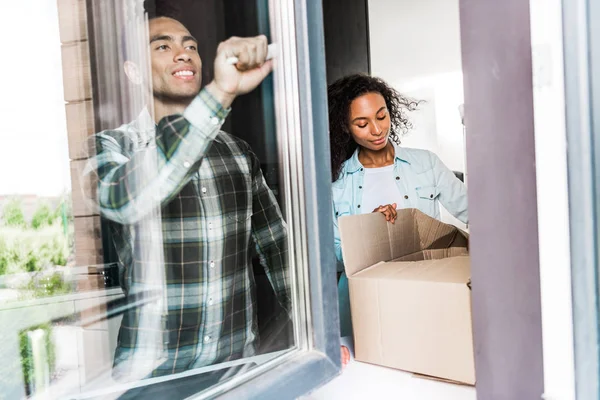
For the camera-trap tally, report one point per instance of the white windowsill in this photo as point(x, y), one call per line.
point(366, 381)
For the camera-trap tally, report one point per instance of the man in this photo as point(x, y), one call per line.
point(188, 204)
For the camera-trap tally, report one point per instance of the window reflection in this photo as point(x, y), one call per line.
point(166, 269)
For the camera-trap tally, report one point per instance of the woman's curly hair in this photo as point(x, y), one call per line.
point(340, 95)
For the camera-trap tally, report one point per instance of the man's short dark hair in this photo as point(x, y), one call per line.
point(152, 9)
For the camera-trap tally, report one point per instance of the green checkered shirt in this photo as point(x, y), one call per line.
point(199, 192)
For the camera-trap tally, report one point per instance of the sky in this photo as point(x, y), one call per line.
point(33, 135)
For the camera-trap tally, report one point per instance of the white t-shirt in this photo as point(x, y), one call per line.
point(379, 189)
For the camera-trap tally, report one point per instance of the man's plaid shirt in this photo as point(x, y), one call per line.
point(200, 192)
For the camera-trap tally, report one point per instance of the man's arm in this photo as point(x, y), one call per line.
point(269, 231)
point(131, 184)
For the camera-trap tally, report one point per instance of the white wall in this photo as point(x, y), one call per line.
point(415, 46)
point(413, 39)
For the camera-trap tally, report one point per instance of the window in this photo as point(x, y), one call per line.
point(157, 266)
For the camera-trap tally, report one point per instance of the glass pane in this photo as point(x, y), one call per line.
point(147, 241)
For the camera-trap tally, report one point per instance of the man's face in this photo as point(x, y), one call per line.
point(176, 64)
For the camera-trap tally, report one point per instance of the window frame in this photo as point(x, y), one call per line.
point(319, 361)
point(581, 60)
point(297, 26)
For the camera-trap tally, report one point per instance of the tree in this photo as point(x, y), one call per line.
point(12, 214)
point(43, 216)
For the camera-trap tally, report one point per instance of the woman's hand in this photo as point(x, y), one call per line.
point(389, 210)
point(345, 356)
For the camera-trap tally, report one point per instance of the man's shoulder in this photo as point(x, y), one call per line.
point(234, 143)
point(128, 137)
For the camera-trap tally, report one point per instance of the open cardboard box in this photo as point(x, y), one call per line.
point(410, 294)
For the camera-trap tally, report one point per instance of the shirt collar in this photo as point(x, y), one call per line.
point(353, 164)
point(144, 125)
point(144, 122)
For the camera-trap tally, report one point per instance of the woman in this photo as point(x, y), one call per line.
point(372, 173)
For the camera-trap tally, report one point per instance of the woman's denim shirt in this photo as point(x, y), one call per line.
point(423, 180)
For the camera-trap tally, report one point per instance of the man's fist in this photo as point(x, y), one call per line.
point(232, 80)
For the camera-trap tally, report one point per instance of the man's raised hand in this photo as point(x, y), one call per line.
point(232, 80)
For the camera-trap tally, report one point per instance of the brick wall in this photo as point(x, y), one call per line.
point(80, 124)
point(97, 342)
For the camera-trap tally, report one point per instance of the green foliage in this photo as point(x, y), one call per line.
point(39, 248)
point(28, 250)
point(65, 206)
point(27, 357)
point(12, 214)
point(5, 256)
point(44, 216)
point(32, 262)
point(45, 286)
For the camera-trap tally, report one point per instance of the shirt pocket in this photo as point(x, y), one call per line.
point(426, 196)
point(239, 222)
point(342, 209)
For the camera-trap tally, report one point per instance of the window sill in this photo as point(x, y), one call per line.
point(367, 381)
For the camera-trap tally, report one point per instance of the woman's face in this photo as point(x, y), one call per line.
point(369, 121)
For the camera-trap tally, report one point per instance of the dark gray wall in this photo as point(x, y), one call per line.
point(346, 28)
point(496, 55)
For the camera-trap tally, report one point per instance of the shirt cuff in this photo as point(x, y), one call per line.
point(205, 116)
point(206, 108)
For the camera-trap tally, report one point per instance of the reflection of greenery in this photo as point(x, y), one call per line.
point(36, 250)
point(44, 216)
point(12, 214)
point(26, 250)
point(27, 356)
point(46, 242)
point(52, 285)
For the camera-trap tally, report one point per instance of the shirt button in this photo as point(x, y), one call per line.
point(212, 264)
point(206, 338)
point(203, 190)
point(358, 206)
point(431, 196)
point(360, 187)
point(406, 197)
point(210, 301)
point(362, 169)
point(186, 164)
point(214, 121)
point(397, 178)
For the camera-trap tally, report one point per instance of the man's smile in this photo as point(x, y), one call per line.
point(185, 74)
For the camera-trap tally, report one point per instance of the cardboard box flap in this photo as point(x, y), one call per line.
point(446, 270)
point(368, 238)
point(433, 234)
point(365, 241)
point(434, 254)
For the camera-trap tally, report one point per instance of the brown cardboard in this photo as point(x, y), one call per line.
point(409, 294)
